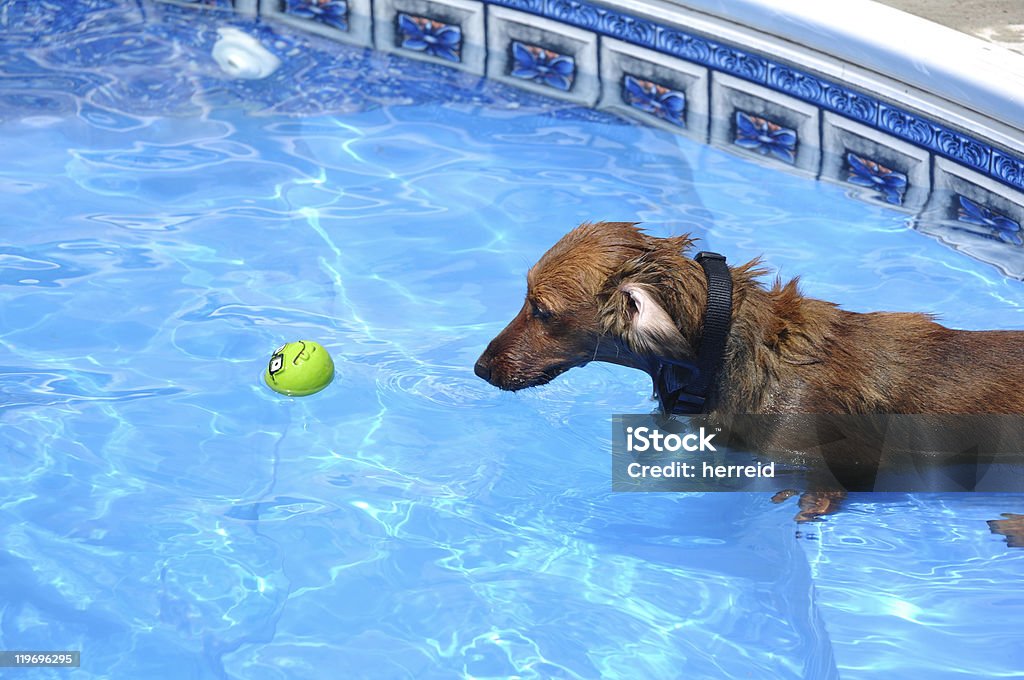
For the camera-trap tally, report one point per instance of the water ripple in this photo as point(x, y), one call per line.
point(22, 389)
point(148, 157)
point(170, 227)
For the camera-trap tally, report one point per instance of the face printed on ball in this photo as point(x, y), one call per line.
point(302, 354)
point(299, 368)
point(294, 354)
point(277, 361)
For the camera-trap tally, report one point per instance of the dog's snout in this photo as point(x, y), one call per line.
point(482, 369)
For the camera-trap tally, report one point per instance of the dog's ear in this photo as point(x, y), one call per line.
point(648, 316)
point(638, 316)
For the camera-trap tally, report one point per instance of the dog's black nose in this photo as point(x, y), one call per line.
point(482, 370)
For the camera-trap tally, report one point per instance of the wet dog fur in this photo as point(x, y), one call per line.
point(607, 291)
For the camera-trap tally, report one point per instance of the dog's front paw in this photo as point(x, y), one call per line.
point(813, 504)
point(1012, 528)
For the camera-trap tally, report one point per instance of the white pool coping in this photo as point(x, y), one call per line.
point(979, 76)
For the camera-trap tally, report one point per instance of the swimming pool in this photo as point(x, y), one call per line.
point(166, 227)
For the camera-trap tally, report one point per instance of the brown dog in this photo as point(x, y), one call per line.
point(609, 292)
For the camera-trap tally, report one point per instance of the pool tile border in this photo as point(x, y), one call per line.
point(907, 151)
point(790, 125)
point(464, 16)
point(358, 26)
point(670, 77)
point(945, 218)
point(955, 180)
point(747, 65)
point(841, 136)
point(551, 44)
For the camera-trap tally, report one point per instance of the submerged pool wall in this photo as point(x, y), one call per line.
point(898, 110)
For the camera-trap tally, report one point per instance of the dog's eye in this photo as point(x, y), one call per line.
point(539, 312)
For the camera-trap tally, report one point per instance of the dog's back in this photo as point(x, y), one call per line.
point(908, 363)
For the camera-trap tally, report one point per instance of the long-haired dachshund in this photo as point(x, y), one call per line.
point(609, 292)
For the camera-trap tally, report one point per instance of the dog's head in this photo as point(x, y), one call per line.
point(605, 292)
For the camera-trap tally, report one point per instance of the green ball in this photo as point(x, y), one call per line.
point(299, 369)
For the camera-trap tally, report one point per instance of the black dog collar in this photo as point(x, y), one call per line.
point(690, 398)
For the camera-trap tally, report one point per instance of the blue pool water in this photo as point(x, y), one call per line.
point(164, 229)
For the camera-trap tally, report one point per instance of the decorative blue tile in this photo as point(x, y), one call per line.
point(938, 138)
point(891, 171)
point(961, 148)
point(791, 81)
point(1008, 169)
point(581, 14)
point(994, 225)
point(725, 58)
point(890, 185)
point(656, 88)
point(905, 125)
point(684, 45)
point(544, 55)
point(609, 22)
point(828, 95)
point(976, 214)
point(435, 38)
point(531, 6)
point(630, 29)
point(850, 103)
point(331, 13)
point(739, 63)
point(655, 99)
point(765, 137)
point(452, 32)
point(542, 66)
